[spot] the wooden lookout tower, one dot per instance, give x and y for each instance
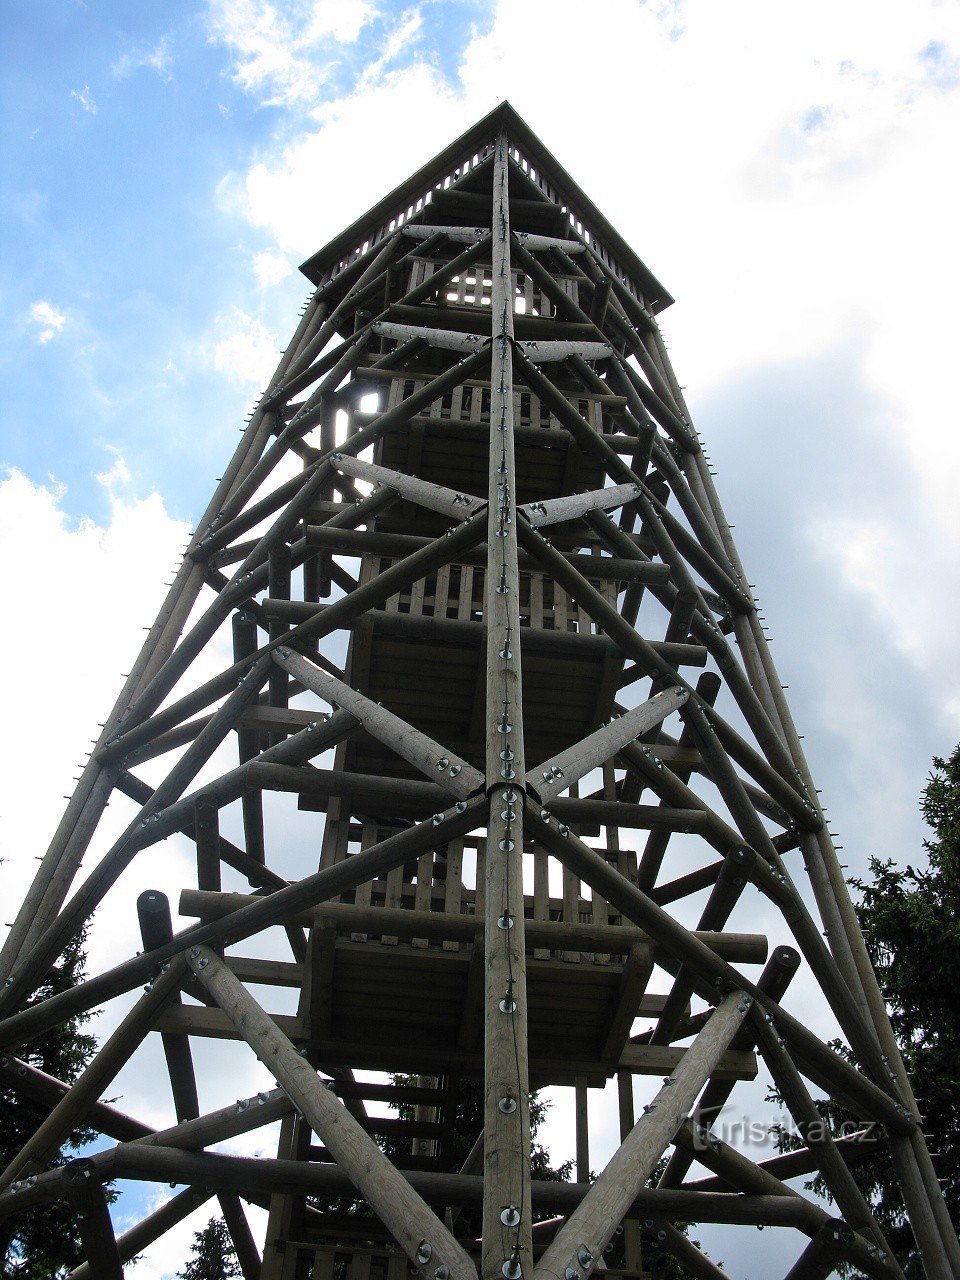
(493, 788)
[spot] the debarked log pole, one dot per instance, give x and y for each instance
(102, 1068)
(425, 1240)
(260, 914)
(85, 1195)
(151, 1228)
(579, 1245)
(741, 948)
(86, 806)
(248, 1175)
(827, 1248)
(825, 1067)
(743, 1176)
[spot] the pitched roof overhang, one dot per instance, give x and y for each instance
(411, 196)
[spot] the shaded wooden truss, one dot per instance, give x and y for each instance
(489, 621)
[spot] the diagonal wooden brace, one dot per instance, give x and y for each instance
(554, 352)
(566, 768)
(415, 1226)
(817, 1060)
(555, 510)
(433, 760)
(579, 1245)
(446, 339)
(435, 497)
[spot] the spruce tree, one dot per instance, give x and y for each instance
(214, 1257)
(910, 920)
(43, 1243)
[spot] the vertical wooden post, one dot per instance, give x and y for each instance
(156, 929)
(583, 1130)
(507, 1242)
(84, 1192)
(207, 830)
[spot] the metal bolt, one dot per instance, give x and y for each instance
(584, 1256)
(505, 922)
(437, 819)
(424, 1252)
(510, 1216)
(508, 1106)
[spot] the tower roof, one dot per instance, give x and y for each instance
(408, 200)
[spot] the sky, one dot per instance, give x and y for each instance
(788, 171)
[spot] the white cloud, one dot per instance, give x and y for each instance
(270, 268)
(242, 347)
(117, 475)
(156, 59)
(104, 582)
(47, 320)
(84, 97)
(400, 39)
(289, 193)
(792, 193)
(280, 54)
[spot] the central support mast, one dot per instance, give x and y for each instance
(507, 1240)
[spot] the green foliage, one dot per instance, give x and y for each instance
(910, 920)
(213, 1257)
(43, 1243)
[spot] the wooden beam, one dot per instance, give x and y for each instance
(633, 983)
(549, 511)
(84, 1192)
(424, 1239)
(507, 1215)
(72, 1108)
(433, 497)
(449, 771)
(578, 1246)
(819, 1061)
(438, 926)
(563, 770)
